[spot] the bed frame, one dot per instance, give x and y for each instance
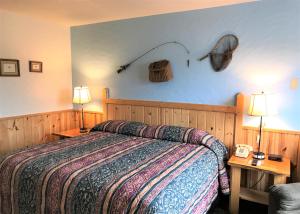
(224, 122)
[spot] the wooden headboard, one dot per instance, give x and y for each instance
(224, 122)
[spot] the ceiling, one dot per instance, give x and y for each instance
(79, 12)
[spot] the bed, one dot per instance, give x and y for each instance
(119, 167)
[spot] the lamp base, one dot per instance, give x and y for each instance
(259, 155)
(83, 130)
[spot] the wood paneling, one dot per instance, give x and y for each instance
(27, 130)
(222, 121)
(91, 118)
(21, 131)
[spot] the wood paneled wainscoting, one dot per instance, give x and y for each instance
(27, 130)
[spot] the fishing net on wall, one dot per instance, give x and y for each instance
(221, 55)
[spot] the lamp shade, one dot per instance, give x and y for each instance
(258, 105)
(81, 95)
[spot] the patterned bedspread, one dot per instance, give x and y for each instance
(119, 168)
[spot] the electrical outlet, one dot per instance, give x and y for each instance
(294, 83)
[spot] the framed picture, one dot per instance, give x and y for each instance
(35, 66)
(9, 68)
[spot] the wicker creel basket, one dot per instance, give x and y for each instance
(160, 71)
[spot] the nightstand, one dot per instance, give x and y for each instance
(69, 133)
(280, 171)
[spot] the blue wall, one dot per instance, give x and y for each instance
(268, 57)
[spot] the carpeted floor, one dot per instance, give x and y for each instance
(246, 207)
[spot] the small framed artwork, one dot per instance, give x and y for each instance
(9, 68)
(35, 66)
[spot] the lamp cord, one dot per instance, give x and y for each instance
(258, 181)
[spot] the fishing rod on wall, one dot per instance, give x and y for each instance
(124, 67)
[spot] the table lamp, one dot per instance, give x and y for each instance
(81, 96)
(258, 107)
